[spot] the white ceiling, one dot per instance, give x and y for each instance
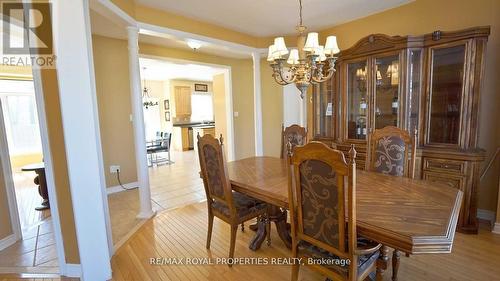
(273, 17)
(105, 27)
(164, 70)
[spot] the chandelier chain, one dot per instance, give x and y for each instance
(300, 12)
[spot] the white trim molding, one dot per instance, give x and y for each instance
(146, 209)
(119, 188)
(486, 215)
(496, 228)
(49, 168)
(164, 32)
(8, 241)
(72, 270)
(9, 183)
(111, 11)
(257, 104)
(72, 45)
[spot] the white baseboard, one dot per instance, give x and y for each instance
(72, 270)
(129, 234)
(8, 241)
(496, 228)
(486, 215)
(117, 188)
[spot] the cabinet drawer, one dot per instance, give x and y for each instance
(455, 181)
(443, 165)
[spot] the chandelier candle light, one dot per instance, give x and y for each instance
(310, 63)
(147, 100)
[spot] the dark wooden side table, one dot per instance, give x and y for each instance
(39, 169)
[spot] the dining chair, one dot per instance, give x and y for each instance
(392, 151)
(230, 206)
(294, 134)
(322, 192)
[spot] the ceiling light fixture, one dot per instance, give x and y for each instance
(310, 63)
(195, 45)
(147, 100)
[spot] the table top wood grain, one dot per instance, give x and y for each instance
(414, 216)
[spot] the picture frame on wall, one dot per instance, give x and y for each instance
(200, 87)
(166, 104)
(167, 116)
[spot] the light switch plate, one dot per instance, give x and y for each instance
(236, 114)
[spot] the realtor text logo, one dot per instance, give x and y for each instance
(27, 35)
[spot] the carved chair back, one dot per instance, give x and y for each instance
(214, 172)
(294, 134)
(322, 213)
(392, 151)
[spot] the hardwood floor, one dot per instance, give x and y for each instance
(177, 184)
(172, 186)
(36, 253)
(182, 233)
(27, 199)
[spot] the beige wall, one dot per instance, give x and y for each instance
(114, 103)
(425, 16)
(160, 91)
(272, 111)
(56, 143)
(219, 99)
(5, 223)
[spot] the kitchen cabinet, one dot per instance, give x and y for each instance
(182, 96)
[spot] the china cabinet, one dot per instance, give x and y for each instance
(429, 83)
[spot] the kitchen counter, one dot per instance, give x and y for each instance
(195, 125)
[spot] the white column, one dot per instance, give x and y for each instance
(75, 72)
(138, 119)
(303, 110)
(257, 103)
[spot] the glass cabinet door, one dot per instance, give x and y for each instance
(323, 109)
(447, 70)
(414, 88)
(357, 100)
(386, 91)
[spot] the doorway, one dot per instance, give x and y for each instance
(193, 100)
(180, 99)
(35, 250)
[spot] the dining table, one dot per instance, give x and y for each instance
(409, 215)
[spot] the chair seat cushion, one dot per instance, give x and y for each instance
(244, 205)
(335, 263)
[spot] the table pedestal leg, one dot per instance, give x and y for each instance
(278, 216)
(260, 235)
(382, 262)
(41, 181)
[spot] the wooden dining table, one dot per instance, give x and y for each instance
(410, 215)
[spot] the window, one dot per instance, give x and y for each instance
(20, 116)
(202, 107)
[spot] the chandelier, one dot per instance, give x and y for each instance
(310, 63)
(147, 101)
